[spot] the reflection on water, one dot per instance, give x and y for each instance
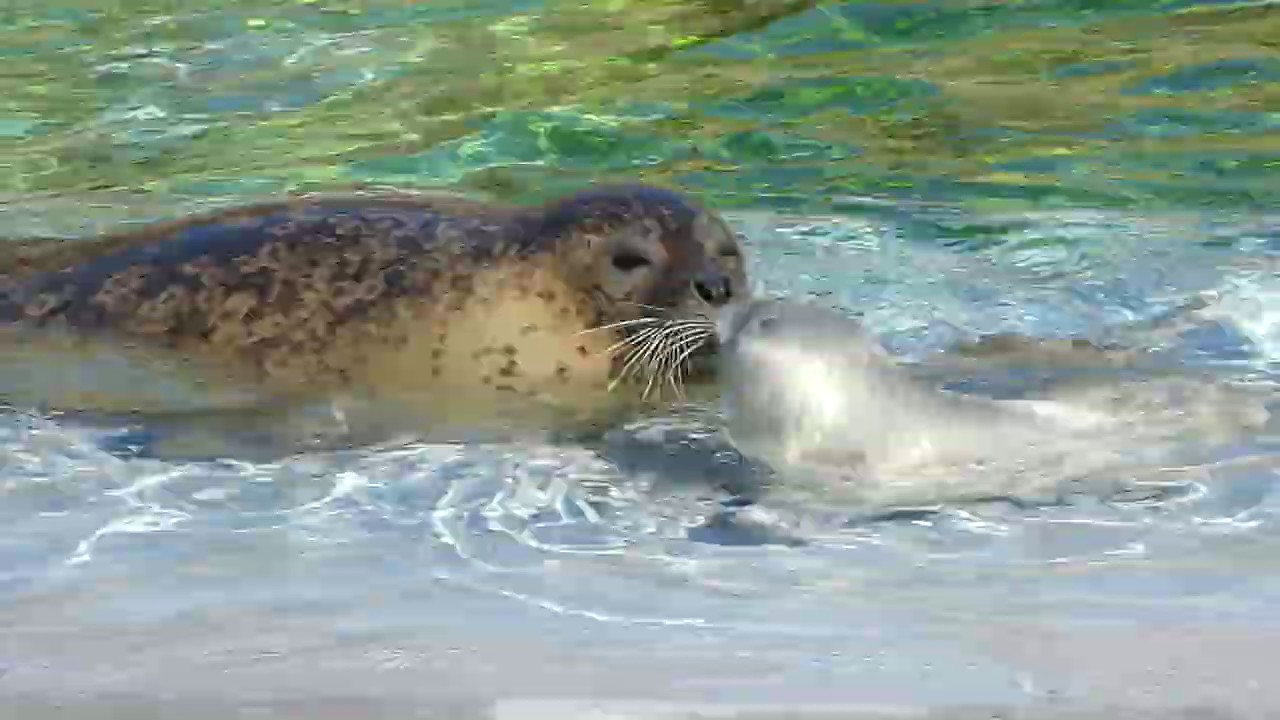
(784, 103)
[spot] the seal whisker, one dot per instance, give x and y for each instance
(669, 341)
(634, 340)
(691, 341)
(645, 349)
(677, 326)
(653, 308)
(620, 324)
(678, 352)
(669, 372)
(638, 346)
(654, 365)
(647, 333)
(662, 363)
(647, 387)
(679, 363)
(622, 374)
(659, 351)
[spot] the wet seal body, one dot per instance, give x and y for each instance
(439, 304)
(806, 389)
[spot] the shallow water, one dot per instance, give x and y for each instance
(1028, 176)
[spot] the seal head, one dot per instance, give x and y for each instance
(795, 378)
(644, 250)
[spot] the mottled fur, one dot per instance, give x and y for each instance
(390, 297)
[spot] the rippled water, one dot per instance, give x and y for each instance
(782, 103)
(1052, 168)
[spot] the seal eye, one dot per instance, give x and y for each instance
(627, 262)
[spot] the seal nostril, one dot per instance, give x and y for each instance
(714, 289)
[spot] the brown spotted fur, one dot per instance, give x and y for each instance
(400, 297)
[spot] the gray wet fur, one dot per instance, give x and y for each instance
(804, 385)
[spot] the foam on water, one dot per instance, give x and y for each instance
(426, 571)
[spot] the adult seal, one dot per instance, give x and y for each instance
(448, 309)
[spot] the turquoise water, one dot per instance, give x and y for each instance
(1055, 168)
(773, 102)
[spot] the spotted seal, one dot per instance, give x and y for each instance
(454, 307)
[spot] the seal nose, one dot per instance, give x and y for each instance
(714, 287)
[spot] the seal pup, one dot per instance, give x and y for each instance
(809, 392)
(450, 311)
